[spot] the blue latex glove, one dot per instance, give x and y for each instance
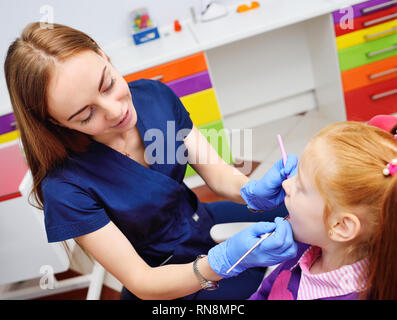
(267, 192)
(276, 248)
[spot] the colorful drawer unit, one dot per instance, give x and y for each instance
(8, 128)
(188, 77)
(13, 169)
(368, 59)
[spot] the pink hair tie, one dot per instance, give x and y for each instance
(391, 168)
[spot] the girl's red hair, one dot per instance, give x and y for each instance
(350, 175)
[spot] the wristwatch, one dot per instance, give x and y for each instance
(205, 284)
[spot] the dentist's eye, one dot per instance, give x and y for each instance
(112, 82)
(89, 117)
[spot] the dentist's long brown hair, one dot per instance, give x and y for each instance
(29, 64)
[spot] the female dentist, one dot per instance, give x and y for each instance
(84, 129)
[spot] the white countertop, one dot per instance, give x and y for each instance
(271, 14)
(196, 37)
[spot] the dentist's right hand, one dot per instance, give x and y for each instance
(267, 193)
(276, 248)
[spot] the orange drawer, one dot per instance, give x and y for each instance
(368, 74)
(379, 98)
(172, 70)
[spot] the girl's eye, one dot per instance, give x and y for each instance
(297, 186)
(301, 188)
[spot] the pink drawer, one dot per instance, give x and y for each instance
(13, 169)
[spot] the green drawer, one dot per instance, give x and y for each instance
(218, 139)
(368, 52)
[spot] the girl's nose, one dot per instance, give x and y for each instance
(286, 186)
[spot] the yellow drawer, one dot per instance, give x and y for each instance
(202, 106)
(9, 136)
(365, 35)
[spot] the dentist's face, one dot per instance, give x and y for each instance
(87, 94)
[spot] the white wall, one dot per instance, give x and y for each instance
(104, 20)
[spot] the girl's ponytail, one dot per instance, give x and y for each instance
(382, 277)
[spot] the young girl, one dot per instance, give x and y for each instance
(342, 206)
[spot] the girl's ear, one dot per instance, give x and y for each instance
(345, 226)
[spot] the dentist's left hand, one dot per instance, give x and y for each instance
(276, 248)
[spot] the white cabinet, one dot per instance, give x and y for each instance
(25, 253)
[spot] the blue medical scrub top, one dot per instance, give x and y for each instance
(154, 209)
